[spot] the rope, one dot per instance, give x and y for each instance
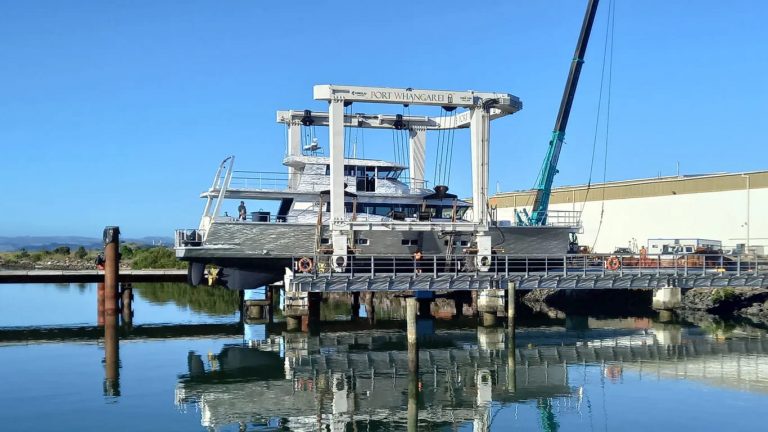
(406, 134)
(607, 123)
(452, 133)
(439, 161)
(599, 105)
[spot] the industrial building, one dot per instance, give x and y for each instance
(729, 207)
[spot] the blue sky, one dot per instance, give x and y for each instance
(117, 112)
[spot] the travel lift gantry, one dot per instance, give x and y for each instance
(480, 108)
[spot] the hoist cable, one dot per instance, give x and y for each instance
(452, 132)
(441, 149)
(599, 107)
(607, 123)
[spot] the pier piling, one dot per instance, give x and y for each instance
(111, 317)
(411, 305)
(411, 309)
(111, 271)
(511, 304)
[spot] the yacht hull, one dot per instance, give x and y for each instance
(251, 255)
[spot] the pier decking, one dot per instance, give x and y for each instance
(369, 273)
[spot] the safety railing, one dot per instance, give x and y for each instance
(565, 218)
(266, 180)
(558, 218)
(540, 265)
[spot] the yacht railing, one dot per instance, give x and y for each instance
(563, 218)
(555, 218)
(540, 265)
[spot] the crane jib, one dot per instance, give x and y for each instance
(549, 167)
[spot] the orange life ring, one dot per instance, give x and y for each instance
(613, 263)
(305, 265)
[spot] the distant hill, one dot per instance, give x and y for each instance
(34, 243)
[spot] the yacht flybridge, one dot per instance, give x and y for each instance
(332, 208)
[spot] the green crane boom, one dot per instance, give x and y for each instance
(549, 169)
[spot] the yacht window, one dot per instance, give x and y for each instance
(325, 240)
(409, 242)
(362, 241)
(689, 248)
(327, 170)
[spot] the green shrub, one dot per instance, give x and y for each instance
(723, 294)
(22, 254)
(81, 253)
(156, 258)
(62, 250)
(126, 251)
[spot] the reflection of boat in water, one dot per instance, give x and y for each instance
(337, 379)
(363, 377)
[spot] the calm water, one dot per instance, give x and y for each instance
(188, 365)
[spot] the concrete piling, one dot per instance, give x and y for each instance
(411, 309)
(413, 364)
(666, 298)
(511, 304)
(511, 369)
(489, 319)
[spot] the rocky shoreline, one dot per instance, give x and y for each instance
(742, 302)
(745, 304)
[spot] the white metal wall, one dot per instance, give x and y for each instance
(712, 215)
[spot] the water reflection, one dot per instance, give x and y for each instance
(208, 300)
(375, 379)
(568, 372)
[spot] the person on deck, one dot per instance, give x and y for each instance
(241, 211)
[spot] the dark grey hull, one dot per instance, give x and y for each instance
(256, 254)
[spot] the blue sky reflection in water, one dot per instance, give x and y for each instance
(718, 383)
